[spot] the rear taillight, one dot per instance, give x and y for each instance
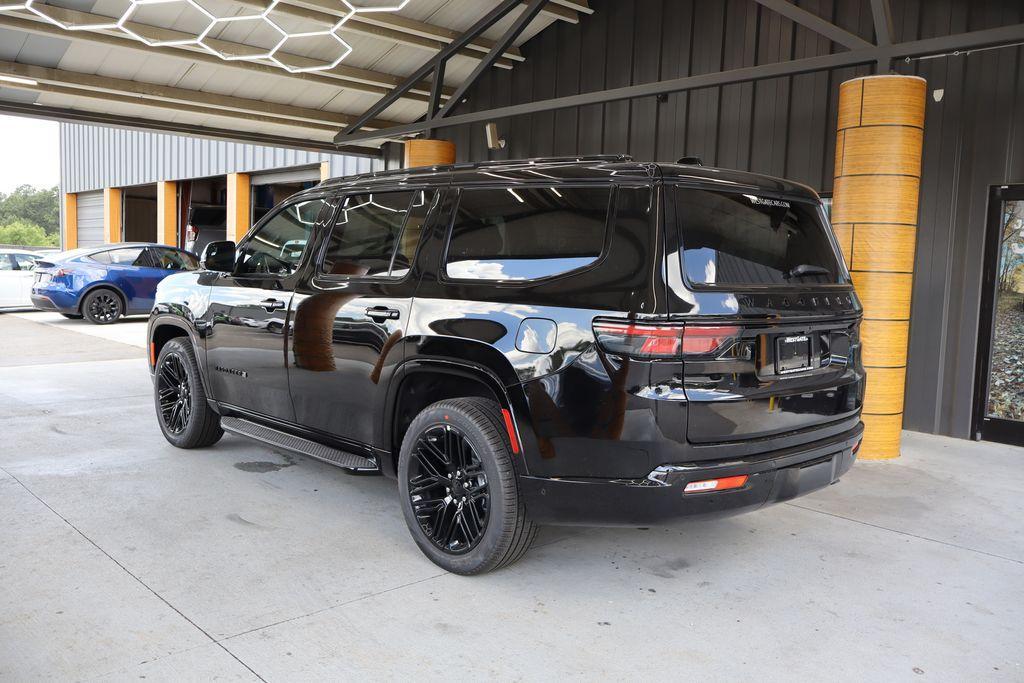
(653, 342)
(191, 233)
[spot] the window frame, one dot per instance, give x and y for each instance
(610, 214)
(339, 202)
(677, 234)
(154, 254)
(270, 215)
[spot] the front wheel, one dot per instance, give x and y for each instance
(459, 491)
(185, 416)
(102, 307)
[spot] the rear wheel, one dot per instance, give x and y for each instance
(459, 491)
(183, 412)
(102, 306)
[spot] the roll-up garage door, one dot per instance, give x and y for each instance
(90, 219)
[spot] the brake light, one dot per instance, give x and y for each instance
(722, 484)
(646, 341)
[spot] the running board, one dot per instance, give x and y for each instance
(296, 444)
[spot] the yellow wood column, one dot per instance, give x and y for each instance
(167, 212)
(70, 220)
(429, 153)
(239, 211)
(325, 170)
(874, 213)
(112, 215)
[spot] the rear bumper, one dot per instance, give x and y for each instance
(44, 303)
(659, 499)
(54, 299)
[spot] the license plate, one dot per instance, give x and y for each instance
(42, 278)
(792, 354)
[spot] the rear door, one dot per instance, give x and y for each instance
(350, 316)
(10, 283)
(25, 265)
(771, 317)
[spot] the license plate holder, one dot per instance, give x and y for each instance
(792, 353)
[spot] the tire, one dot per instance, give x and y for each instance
(442, 512)
(102, 306)
(184, 415)
(72, 316)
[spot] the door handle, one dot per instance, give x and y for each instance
(271, 305)
(383, 313)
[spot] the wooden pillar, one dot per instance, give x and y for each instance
(167, 212)
(70, 220)
(325, 170)
(874, 213)
(112, 215)
(429, 153)
(239, 211)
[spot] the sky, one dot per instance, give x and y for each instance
(31, 152)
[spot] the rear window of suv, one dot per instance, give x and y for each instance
(527, 233)
(731, 238)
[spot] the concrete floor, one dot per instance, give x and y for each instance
(124, 558)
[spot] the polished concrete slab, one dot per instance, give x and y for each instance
(125, 558)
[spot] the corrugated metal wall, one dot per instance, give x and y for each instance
(94, 157)
(974, 136)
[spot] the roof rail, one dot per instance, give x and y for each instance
(611, 158)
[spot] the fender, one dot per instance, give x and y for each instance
(510, 398)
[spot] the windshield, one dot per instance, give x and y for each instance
(729, 238)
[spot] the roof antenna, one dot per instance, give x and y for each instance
(691, 161)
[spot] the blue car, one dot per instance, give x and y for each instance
(104, 283)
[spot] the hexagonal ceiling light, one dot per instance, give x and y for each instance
(327, 39)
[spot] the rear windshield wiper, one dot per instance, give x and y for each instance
(807, 269)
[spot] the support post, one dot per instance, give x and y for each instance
(113, 211)
(325, 170)
(874, 214)
(429, 153)
(167, 212)
(70, 221)
(239, 199)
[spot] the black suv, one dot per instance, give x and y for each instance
(590, 341)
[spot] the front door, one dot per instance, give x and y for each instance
(349, 317)
(248, 313)
(999, 394)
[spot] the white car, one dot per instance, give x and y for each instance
(17, 272)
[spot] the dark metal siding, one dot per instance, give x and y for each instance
(786, 126)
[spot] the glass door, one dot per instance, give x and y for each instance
(999, 393)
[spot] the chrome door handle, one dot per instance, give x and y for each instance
(379, 313)
(271, 305)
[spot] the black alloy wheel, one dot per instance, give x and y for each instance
(448, 489)
(174, 394)
(183, 410)
(459, 487)
(102, 307)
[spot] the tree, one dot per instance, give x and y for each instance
(26, 234)
(1011, 245)
(40, 206)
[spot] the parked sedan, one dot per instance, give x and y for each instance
(104, 283)
(17, 268)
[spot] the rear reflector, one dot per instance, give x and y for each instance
(856, 446)
(716, 484)
(152, 354)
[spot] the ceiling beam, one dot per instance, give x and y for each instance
(342, 76)
(815, 23)
(134, 123)
(881, 13)
(972, 40)
(151, 93)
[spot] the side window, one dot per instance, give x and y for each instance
(278, 245)
(5, 262)
(171, 259)
(24, 261)
(129, 256)
(526, 233)
(375, 234)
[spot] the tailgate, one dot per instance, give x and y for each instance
(774, 379)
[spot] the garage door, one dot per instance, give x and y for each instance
(90, 219)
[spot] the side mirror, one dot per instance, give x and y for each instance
(219, 256)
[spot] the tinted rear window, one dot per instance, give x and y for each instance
(743, 239)
(527, 233)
